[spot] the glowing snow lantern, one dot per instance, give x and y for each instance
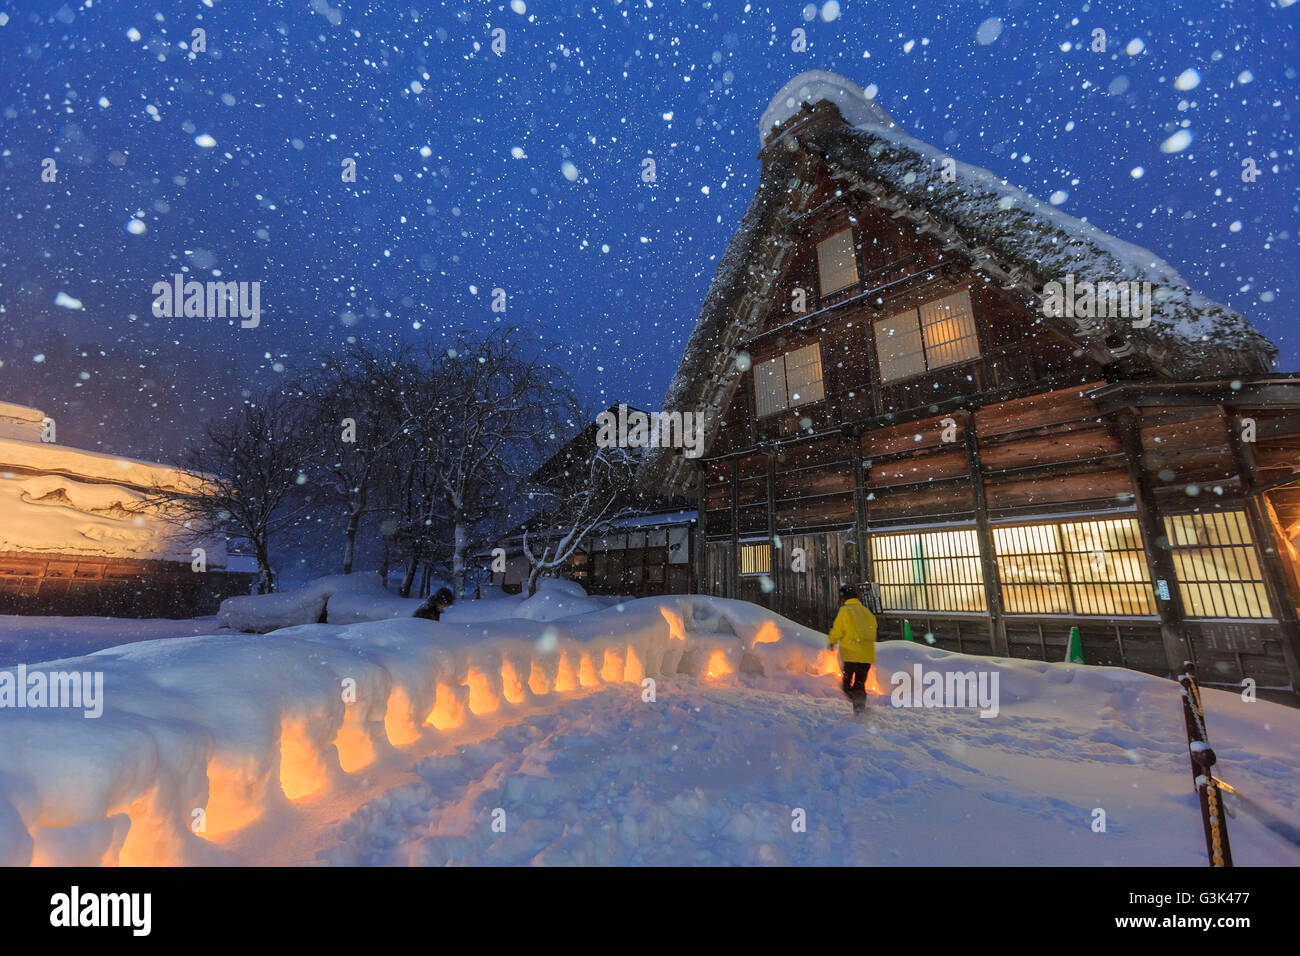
(447, 710)
(587, 672)
(767, 634)
(564, 680)
(483, 697)
(511, 687)
(398, 724)
(718, 665)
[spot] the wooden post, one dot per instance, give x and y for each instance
(1213, 817)
(860, 511)
(698, 575)
(733, 585)
(988, 558)
(1270, 550)
(781, 601)
(1127, 429)
(771, 495)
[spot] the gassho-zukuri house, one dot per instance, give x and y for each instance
(80, 535)
(906, 383)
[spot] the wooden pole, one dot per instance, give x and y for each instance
(1213, 818)
(1126, 428)
(1270, 549)
(988, 558)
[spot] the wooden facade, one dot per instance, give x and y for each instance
(646, 548)
(647, 556)
(995, 476)
(67, 584)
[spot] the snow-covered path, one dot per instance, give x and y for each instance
(710, 775)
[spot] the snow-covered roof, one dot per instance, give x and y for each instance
(22, 413)
(60, 500)
(42, 458)
(21, 422)
(1023, 241)
(855, 104)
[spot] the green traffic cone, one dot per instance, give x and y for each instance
(907, 630)
(1074, 649)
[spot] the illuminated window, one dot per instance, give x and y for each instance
(788, 381)
(938, 334)
(1217, 565)
(837, 263)
(756, 558)
(1081, 567)
(933, 571)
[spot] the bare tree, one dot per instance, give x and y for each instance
(358, 421)
(414, 524)
(579, 507)
(494, 407)
(249, 471)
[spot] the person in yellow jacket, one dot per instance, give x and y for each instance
(854, 631)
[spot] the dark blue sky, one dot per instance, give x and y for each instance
(610, 268)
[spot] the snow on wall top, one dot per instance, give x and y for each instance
(23, 413)
(57, 515)
(853, 102)
(20, 421)
(59, 500)
(96, 466)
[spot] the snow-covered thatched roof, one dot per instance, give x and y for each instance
(1020, 240)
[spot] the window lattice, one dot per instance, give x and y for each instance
(933, 571)
(1081, 567)
(935, 335)
(837, 263)
(756, 558)
(948, 327)
(1217, 565)
(789, 381)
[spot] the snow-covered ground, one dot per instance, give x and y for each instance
(503, 740)
(714, 774)
(25, 639)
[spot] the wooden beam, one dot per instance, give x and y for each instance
(771, 508)
(699, 575)
(1262, 528)
(988, 558)
(1173, 634)
(860, 511)
(734, 583)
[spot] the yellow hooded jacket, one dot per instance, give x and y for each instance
(854, 631)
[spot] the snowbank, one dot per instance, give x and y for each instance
(711, 773)
(557, 598)
(200, 736)
(336, 598)
(356, 598)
